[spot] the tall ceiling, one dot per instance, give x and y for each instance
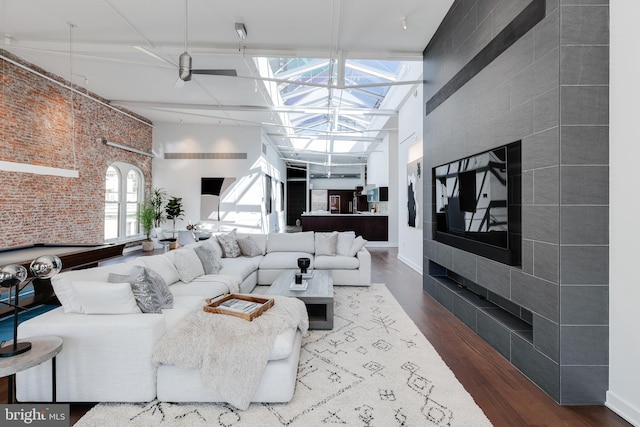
(323, 79)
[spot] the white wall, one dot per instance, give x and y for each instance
(410, 120)
(378, 166)
(624, 149)
(243, 204)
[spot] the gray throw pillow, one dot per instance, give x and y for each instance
(147, 299)
(229, 245)
(209, 258)
(149, 288)
(248, 247)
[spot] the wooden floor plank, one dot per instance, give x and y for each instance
(507, 397)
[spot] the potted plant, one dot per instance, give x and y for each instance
(145, 219)
(158, 199)
(174, 211)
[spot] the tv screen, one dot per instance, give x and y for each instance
(211, 186)
(477, 203)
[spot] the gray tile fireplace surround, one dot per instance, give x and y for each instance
(548, 88)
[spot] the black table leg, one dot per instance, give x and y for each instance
(11, 382)
(53, 379)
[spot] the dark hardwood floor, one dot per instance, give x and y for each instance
(507, 397)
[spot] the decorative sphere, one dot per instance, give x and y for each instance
(46, 266)
(13, 273)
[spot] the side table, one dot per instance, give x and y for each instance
(42, 349)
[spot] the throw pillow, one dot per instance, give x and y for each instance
(345, 239)
(211, 262)
(149, 289)
(188, 264)
(229, 245)
(161, 265)
(248, 247)
(326, 245)
(92, 297)
(357, 244)
(212, 243)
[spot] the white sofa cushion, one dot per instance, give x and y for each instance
(162, 265)
(326, 244)
(338, 262)
(92, 297)
(284, 260)
(188, 264)
(182, 306)
(345, 239)
(291, 242)
(357, 244)
(203, 287)
(240, 267)
(100, 274)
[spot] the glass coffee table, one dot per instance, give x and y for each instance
(318, 297)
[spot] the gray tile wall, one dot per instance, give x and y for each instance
(550, 89)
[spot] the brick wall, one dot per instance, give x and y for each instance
(39, 127)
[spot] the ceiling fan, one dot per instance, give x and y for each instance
(184, 62)
(185, 71)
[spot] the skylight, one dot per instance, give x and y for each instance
(332, 106)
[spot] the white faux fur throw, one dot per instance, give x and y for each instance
(230, 352)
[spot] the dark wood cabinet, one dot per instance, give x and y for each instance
(374, 228)
(383, 194)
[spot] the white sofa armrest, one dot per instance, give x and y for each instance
(104, 358)
(364, 257)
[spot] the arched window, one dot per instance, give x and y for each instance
(124, 190)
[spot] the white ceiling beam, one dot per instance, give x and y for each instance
(252, 108)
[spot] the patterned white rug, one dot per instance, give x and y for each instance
(374, 368)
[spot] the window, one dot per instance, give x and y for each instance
(123, 191)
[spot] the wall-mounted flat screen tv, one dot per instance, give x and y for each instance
(477, 202)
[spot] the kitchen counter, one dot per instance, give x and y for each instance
(371, 226)
(326, 213)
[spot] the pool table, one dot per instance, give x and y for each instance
(73, 257)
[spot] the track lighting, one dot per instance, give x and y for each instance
(241, 30)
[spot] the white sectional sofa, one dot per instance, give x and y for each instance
(108, 342)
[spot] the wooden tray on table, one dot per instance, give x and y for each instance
(247, 307)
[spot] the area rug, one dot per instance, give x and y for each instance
(374, 368)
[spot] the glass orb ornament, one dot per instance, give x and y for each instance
(46, 266)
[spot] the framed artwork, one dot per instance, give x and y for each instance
(414, 193)
(281, 196)
(268, 195)
(211, 196)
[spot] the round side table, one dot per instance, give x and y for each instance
(42, 349)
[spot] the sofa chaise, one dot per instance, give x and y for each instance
(109, 340)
